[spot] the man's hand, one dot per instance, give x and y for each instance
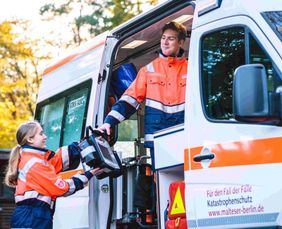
(105, 127)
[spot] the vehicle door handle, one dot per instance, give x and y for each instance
(201, 157)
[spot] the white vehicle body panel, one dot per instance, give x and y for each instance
(230, 196)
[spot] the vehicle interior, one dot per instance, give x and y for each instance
(145, 52)
(138, 49)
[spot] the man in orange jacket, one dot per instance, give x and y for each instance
(161, 83)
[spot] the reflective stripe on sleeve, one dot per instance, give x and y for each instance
(27, 167)
(87, 150)
(130, 100)
(81, 177)
(117, 115)
(150, 67)
(71, 187)
(167, 109)
(65, 158)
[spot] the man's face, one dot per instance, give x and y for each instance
(170, 44)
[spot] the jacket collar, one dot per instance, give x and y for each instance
(179, 56)
(32, 149)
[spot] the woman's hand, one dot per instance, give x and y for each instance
(96, 171)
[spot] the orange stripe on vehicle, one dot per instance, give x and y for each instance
(69, 174)
(186, 160)
(248, 152)
(69, 59)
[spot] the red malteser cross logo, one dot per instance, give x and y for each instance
(60, 183)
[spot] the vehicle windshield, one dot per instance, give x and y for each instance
(274, 19)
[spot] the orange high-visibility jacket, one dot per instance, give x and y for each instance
(38, 177)
(162, 85)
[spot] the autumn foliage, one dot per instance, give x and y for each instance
(19, 81)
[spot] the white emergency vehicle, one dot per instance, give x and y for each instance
(228, 151)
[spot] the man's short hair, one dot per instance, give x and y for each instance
(177, 27)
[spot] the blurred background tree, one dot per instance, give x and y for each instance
(92, 17)
(19, 79)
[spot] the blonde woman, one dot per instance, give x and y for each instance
(33, 171)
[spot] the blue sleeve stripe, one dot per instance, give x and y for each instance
(77, 183)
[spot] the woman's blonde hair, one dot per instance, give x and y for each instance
(25, 131)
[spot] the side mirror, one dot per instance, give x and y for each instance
(251, 101)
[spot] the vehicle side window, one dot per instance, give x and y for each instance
(258, 56)
(222, 52)
(51, 117)
(63, 117)
(75, 115)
